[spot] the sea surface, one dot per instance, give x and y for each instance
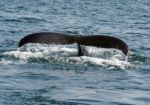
(53, 74)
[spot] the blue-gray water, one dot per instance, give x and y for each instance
(38, 78)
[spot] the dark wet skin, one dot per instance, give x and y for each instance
(63, 39)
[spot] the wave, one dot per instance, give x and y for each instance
(68, 54)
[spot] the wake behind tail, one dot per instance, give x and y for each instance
(62, 54)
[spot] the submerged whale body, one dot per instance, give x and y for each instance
(63, 39)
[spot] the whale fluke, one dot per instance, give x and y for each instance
(47, 38)
(103, 42)
(93, 40)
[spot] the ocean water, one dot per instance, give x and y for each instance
(53, 74)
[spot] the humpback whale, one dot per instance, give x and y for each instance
(102, 41)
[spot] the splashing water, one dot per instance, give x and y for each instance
(68, 54)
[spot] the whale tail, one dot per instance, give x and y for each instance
(47, 38)
(57, 38)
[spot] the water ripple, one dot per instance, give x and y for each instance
(39, 76)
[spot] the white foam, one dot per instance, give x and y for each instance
(3, 61)
(101, 62)
(100, 57)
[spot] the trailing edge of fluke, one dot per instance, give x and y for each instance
(59, 38)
